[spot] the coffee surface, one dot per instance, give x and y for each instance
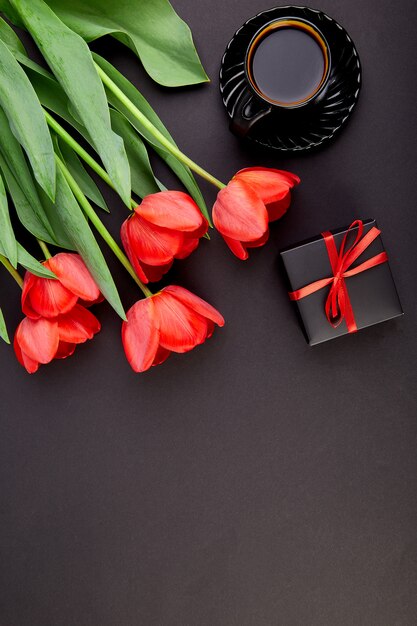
(288, 65)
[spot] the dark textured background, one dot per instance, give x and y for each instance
(255, 481)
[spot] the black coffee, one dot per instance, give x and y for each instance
(288, 65)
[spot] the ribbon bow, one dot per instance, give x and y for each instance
(338, 306)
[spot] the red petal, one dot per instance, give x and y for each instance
(161, 356)
(38, 339)
(155, 273)
(88, 303)
(268, 183)
(188, 246)
(74, 275)
(194, 302)
(180, 327)
(240, 248)
(210, 329)
(28, 283)
(140, 335)
(260, 242)
(78, 325)
(239, 212)
(152, 244)
(199, 232)
(237, 248)
(124, 235)
(64, 350)
(29, 364)
(45, 297)
(278, 208)
(175, 210)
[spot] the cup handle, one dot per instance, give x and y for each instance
(248, 110)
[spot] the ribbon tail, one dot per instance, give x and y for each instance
(348, 310)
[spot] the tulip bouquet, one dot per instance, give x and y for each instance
(81, 114)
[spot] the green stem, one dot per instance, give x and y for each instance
(83, 154)
(44, 248)
(78, 148)
(154, 131)
(12, 271)
(101, 229)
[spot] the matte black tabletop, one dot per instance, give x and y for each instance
(254, 481)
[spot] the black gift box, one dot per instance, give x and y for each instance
(372, 293)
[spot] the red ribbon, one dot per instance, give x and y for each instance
(338, 306)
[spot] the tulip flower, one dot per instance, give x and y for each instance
(244, 207)
(173, 320)
(47, 297)
(39, 341)
(166, 225)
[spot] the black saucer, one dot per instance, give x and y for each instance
(304, 128)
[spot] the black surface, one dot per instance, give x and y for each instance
(255, 481)
(372, 293)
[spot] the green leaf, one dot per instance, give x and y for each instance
(3, 329)
(26, 260)
(6, 230)
(181, 170)
(51, 94)
(53, 97)
(70, 59)
(143, 179)
(21, 185)
(51, 210)
(49, 91)
(28, 212)
(76, 226)
(9, 37)
(26, 119)
(151, 28)
(81, 176)
(29, 219)
(16, 47)
(8, 10)
(24, 208)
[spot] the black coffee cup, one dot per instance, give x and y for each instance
(287, 68)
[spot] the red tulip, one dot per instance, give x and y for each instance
(165, 226)
(41, 340)
(173, 320)
(46, 297)
(254, 197)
